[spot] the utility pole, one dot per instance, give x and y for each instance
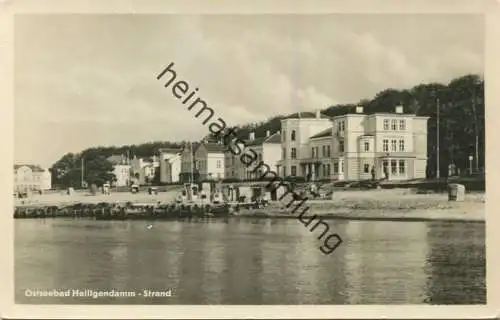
(437, 141)
(82, 173)
(475, 126)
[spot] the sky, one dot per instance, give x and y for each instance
(90, 80)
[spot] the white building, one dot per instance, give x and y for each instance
(358, 146)
(170, 165)
(121, 169)
(385, 145)
(31, 177)
(209, 160)
(295, 133)
(268, 150)
(143, 170)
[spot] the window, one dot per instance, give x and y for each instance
(402, 125)
(341, 127)
(401, 145)
(335, 167)
(317, 152)
(366, 168)
(393, 145)
(385, 145)
(284, 153)
(341, 146)
(294, 153)
(284, 171)
(367, 146)
(394, 169)
(341, 166)
(323, 150)
(312, 152)
(328, 172)
(386, 124)
(402, 168)
(294, 171)
(292, 136)
(328, 153)
(323, 170)
(394, 124)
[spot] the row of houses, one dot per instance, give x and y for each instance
(310, 145)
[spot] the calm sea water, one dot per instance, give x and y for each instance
(252, 262)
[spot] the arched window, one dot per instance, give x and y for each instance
(292, 137)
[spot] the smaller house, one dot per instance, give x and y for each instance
(170, 165)
(29, 177)
(121, 170)
(209, 160)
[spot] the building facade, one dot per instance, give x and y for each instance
(170, 165)
(122, 170)
(143, 170)
(31, 178)
(209, 160)
(356, 146)
(296, 158)
(390, 146)
(268, 150)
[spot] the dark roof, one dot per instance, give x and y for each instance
(214, 147)
(322, 134)
(306, 115)
(274, 138)
(34, 168)
(117, 159)
(170, 150)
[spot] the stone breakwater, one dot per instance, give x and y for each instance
(405, 209)
(109, 211)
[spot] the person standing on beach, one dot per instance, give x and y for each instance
(373, 173)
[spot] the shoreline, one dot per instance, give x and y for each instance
(372, 205)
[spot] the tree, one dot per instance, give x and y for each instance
(98, 170)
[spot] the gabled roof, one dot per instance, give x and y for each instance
(117, 159)
(274, 138)
(214, 147)
(325, 133)
(34, 168)
(306, 115)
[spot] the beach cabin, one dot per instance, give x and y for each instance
(134, 188)
(105, 188)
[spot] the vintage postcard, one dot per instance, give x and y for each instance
(217, 159)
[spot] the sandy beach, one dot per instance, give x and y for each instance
(393, 204)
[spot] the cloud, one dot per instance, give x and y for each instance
(95, 76)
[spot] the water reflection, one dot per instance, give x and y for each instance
(456, 270)
(241, 261)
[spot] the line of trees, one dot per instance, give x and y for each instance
(461, 127)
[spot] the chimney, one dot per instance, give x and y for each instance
(399, 109)
(251, 136)
(318, 114)
(268, 133)
(359, 109)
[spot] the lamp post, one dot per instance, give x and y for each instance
(470, 164)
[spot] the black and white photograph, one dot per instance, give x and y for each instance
(249, 159)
